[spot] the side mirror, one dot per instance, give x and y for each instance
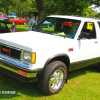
(84, 35)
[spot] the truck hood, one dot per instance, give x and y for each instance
(32, 40)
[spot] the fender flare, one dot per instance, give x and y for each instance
(58, 56)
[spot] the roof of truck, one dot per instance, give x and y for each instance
(75, 17)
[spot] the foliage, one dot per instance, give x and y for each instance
(24, 7)
(97, 2)
(52, 7)
(98, 15)
(65, 7)
(5, 4)
(89, 12)
(20, 7)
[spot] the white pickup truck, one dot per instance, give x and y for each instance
(57, 45)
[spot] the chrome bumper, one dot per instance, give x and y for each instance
(12, 68)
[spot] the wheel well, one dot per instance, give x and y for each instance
(63, 58)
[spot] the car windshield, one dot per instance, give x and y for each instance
(58, 26)
(2, 25)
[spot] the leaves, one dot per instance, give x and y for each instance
(52, 7)
(90, 12)
(65, 7)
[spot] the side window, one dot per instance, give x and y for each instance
(88, 30)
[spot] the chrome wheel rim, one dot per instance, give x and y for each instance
(56, 79)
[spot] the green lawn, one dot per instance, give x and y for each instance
(19, 27)
(83, 84)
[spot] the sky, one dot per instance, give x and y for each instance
(95, 7)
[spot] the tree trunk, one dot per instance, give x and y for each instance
(26, 10)
(41, 7)
(7, 11)
(7, 7)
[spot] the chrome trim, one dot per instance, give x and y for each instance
(16, 67)
(8, 61)
(21, 55)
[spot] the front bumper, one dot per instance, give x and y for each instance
(12, 69)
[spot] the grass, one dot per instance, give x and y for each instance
(83, 84)
(19, 27)
(48, 29)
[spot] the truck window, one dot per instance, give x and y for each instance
(59, 27)
(89, 28)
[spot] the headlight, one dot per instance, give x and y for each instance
(28, 56)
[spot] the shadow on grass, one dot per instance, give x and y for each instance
(82, 71)
(30, 89)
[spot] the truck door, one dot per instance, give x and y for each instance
(86, 46)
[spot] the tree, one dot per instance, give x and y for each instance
(97, 2)
(90, 12)
(98, 15)
(65, 7)
(45, 7)
(24, 7)
(40, 7)
(6, 4)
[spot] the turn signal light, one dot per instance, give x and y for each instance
(33, 58)
(21, 72)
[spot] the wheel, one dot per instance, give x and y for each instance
(13, 23)
(53, 78)
(25, 23)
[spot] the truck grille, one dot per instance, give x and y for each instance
(10, 51)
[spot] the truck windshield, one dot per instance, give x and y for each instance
(58, 26)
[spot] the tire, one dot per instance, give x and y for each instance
(53, 78)
(13, 23)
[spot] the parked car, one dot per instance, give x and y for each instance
(18, 20)
(6, 19)
(3, 27)
(47, 24)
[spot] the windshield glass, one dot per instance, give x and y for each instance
(2, 25)
(58, 26)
